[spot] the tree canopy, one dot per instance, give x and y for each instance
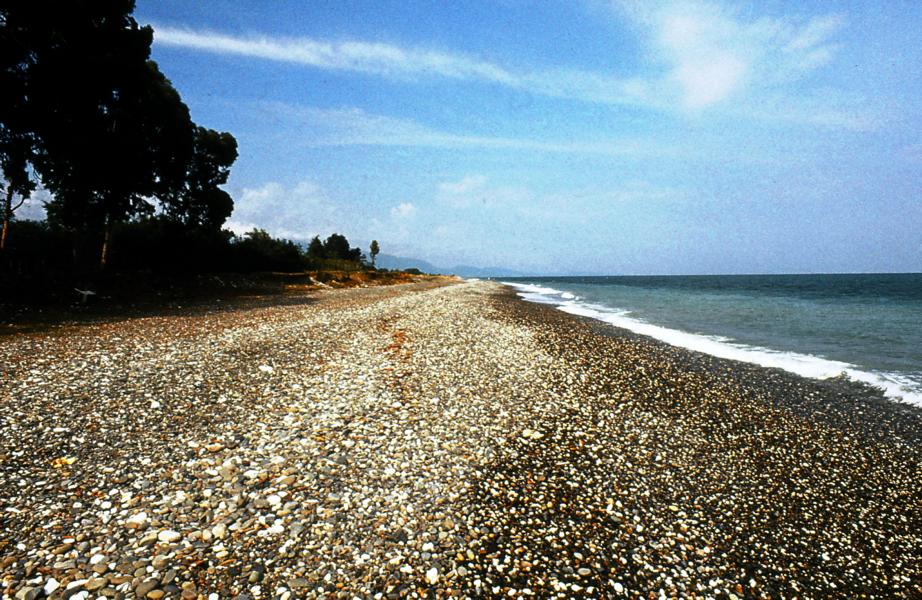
(105, 130)
(85, 112)
(335, 247)
(200, 202)
(373, 251)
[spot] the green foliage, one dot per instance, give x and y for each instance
(337, 247)
(199, 201)
(373, 250)
(315, 249)
(334, 254)
(164, 245)
(38, 247)
(258, 251)
(84, 110)
(103, 128)
(111, 130)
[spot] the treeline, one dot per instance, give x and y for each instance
(162, 245)
(135, 183)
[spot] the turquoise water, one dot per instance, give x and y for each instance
(866, 326)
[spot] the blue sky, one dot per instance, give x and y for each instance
(568, 137)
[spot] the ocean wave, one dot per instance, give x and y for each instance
(895, 385)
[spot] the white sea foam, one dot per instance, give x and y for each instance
(895, 385)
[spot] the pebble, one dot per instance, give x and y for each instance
(146, 586)
(50, 586)
(449, 441)
(168, 536)
(96, 583)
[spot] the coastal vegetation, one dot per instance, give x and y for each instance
(135, 185)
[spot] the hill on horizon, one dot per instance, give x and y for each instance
(390, 261)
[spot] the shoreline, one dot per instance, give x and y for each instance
(899, 386)
(437, 441)
(777, 417)
(838, 400)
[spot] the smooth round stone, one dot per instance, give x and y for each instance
(168, 536)
(146, 586)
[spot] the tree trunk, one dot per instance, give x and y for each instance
(104, 255)
(7, 215)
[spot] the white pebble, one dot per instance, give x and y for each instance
(51, 585)
(168, 535)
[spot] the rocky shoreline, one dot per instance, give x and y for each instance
(437, 440)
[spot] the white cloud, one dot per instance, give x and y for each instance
(714, 54)
(33, 207)
(296, 213)
(402, 211)
(705, 55)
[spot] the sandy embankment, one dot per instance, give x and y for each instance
(450, 441)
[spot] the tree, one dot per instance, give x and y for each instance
(200, 202)
(315, 250)
(373, 251)
(259, 251)
(15, 153)
(17, 142)
(337, 246)
(111, 131)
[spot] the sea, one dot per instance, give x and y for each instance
(867, 326)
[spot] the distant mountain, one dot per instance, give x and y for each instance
(389, 261)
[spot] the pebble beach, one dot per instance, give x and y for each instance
(433, 440)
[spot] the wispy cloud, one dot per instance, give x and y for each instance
(364, 57)
(388, 60)
(354, 126)
(475, 191)
(706, 56)
(465, 185)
